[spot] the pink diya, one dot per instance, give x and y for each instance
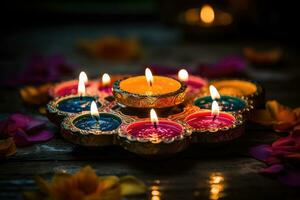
(215, 126)
(154, 137)
(70, 87)
(194, 83)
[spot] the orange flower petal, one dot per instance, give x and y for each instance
(7, 147)
(262, 117)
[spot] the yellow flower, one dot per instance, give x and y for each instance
(35, 95)
(279, 117)
(86, 185)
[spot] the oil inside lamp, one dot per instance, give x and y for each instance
(149, 77)
(207, 14)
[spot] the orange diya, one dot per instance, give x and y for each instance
(149, 91)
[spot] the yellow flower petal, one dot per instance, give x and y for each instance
(131, 186)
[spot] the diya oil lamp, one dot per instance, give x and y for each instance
(149, 91)
(194, 83)
(70, 87)
(215, 127)
(227, 103)
(91, 128)
(241, 88)
(61, 107)
(154, 136)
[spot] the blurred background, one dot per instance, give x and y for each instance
(52, 40)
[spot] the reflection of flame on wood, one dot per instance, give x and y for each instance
(155, 193)
(216, 186)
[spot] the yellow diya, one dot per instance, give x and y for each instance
(149, 91)
(241, 88)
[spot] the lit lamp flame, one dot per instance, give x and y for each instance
(94, 111)
(215, 110)
(149, 77)
(83, 77)
(214, 93)
(207, 14)
(81, 83)
(105, 79)
(183, 75)
(153, 118)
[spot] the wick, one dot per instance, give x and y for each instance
(215, 116)
(155, 125)
(80, 98)
(150, 83)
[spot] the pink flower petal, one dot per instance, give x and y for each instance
(41, 136)
(273, 169)
(291, 178)
(261, 152)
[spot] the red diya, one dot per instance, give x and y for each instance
(215, 126)
(194, 83)
(154, 137)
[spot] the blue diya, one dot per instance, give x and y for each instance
(87, 130)
(227, 103)
(61, 107)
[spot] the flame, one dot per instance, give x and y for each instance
(94, 109)
(83, 77)
(214, 92)
(207, 14)
(149, 76)
(81, 83)
(215, 110)
(183, 75)
(105, 79)
(153, 116)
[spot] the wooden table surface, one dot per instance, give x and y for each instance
(184, 176)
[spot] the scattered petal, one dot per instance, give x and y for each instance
(273, 169)
(261, 152)
(131, 186)
(291, 178)
(7, 147)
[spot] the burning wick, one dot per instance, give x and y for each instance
(94, 112)
(153, 118)
(214, 93)
(105, 80)
(183, 75)
(149, 76)
(215, 110)
(81, 84)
